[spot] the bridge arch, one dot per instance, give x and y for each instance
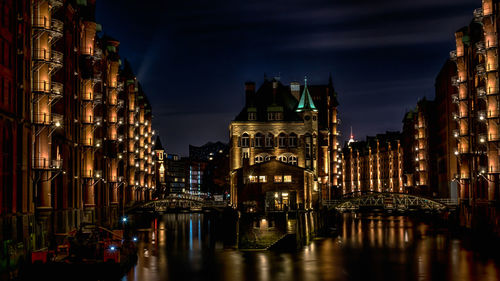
(387, 201)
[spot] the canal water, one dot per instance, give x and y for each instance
(364, 247)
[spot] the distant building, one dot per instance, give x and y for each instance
(420, 128)
(208, 151)
(281, 131)
(176, 171)
(161, 189)
(373, 165)
(209, 168)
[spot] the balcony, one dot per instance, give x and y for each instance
(97, 120)
(478, 15)
(482, 138)
(453, 55)
(481, 92)
(120, 138)
(42, 163)
(481, 115)
(456, 133)
(120, 86)
(97, 53)
(54, 4)
(53, 57)
(97, 98)
(120, 121)
(455, 81)
(97, 78)
(454, 99)
(480, 69)
(480, 47)
(46, 119)
(97, 174)
(121, 103)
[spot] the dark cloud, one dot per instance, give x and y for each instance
(193, 57)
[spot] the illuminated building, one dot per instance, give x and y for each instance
(176, 173)
(478, 106)
(420, 137)
(209, 168)
(373, 165)
(280, 130)
(64, 124)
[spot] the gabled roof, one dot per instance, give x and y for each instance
(306, 102)
(269, 99)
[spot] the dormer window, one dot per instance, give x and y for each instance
(274, 116)
(252, 116)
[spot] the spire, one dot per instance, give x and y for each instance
(306, 102)
(158, 145)
(351, 139)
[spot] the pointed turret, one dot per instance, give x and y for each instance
(306, 102)
(158, 145)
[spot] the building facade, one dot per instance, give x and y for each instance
(478, 105)
(374, 165)
(420, 128)
(283, 123)
(75, 125)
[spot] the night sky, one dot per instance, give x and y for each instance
(194, 56)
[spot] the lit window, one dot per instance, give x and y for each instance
(252, 116)
(278, 179)
(282, 140)
(259, 140)
(287, 178)
(292, 140)
(244, 155)
(245, 140)
(252, 178)
(269, 140)
(262, 179)
(292, 160)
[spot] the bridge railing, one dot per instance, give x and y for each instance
(447, 201)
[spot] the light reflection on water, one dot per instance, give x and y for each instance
(369, 247)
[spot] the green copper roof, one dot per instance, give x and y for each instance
(306, 102)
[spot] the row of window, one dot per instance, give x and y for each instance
(291, 159)
(277, 179)
(271, 116)
(268, 141)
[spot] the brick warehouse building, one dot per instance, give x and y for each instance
(373, 165)
(283, 123)
(75, 125)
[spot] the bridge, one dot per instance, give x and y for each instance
(389, 201)
(177, 202)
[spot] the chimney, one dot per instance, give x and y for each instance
(295, 89)
(249, 92)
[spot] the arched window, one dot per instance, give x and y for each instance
(269, 140)
(283, 158)
(292, 140)
(245, 140)
(268, 158)
(282, 140)
(292, 160)
(259, 159)
(259, 140)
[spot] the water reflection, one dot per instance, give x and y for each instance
(369, 247)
